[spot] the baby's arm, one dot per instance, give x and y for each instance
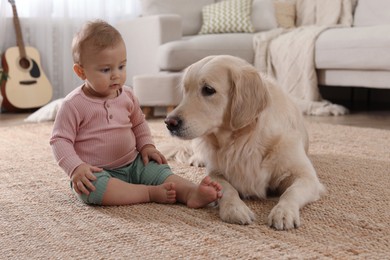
(150, 152)
(62, 142)
(82, 177)
(143, 136)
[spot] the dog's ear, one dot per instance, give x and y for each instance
(249, 96)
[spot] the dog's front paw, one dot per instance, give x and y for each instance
(196, 161)
(236, 212)
(284, 217)
(329, 109)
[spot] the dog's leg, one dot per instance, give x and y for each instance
(303, 190)
(231, 208)
(197, 158)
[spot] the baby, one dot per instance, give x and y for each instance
(101, 139)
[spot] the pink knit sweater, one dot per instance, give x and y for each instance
(103, 133)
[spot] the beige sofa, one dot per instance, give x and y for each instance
(165, 40)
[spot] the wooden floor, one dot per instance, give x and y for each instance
(8, 119)
(379, 119)
(373, 119)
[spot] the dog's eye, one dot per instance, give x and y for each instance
(208, 90)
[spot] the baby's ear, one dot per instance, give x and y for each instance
(79, 71)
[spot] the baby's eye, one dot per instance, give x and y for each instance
(121, 67)
(105, 70)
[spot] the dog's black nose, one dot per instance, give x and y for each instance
(173, 123)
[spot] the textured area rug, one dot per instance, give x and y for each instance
(41, 219)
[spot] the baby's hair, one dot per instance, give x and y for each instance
(96, 34)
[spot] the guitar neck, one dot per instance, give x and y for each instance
(18, 32)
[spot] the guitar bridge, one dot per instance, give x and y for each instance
(27, 82)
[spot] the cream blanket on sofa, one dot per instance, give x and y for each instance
(288, 54)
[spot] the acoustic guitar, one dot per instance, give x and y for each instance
(27, 86)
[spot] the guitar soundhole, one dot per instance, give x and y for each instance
(24, 63)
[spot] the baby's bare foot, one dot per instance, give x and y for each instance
(164, 193)
(207, 192)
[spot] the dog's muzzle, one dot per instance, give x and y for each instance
(173, 124)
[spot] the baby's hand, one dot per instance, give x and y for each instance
(82, 177)
(150, 152)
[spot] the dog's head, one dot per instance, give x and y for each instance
(218, 92)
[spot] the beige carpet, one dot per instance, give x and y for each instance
(41, 219)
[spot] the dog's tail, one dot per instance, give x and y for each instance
(179, 150)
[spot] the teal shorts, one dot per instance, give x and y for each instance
(135, 173)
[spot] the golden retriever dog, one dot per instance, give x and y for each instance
(250, 136)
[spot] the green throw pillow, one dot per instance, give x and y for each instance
(231, 16)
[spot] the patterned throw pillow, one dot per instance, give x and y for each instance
(230, 16)
(189, 10)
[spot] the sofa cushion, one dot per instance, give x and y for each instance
(372, 12)
(230, 16)
(365, 48)
(285, 14)
(157, 89)
(177, 55)
(189, 10)
(263, 15)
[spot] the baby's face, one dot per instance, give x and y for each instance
(105, 70)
